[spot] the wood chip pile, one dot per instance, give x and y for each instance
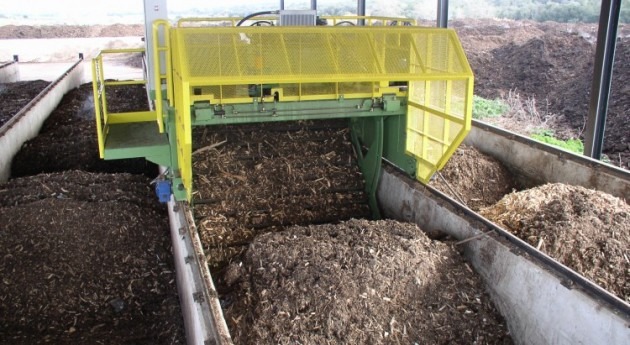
(258, 178)
(587, 230)
(357, 282)
(474, 178)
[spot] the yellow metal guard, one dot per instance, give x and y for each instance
(99, 83)
(218, 64)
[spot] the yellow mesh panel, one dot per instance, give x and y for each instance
(326, 63)
(438, 119)
(241, 55)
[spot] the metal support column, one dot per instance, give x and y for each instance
(442, 14)
(313, 4)
(361, 12)
(153, 10)
(282, 4)
(602, 78)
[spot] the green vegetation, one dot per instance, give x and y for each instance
(485, 108)
(547, 137)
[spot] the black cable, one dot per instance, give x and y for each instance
(255, 15)
(262, 23)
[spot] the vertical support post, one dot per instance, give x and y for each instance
(282, 4)
(361, 12)
(313, 4)
(153, 10)
(602, 78)
(370, 161)
(442, 14)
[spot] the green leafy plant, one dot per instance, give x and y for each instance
(548, 137)
(485, 108)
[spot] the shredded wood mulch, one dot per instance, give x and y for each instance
(86, 257)
(357, 282)
(587, 230)
(360, 282)
(255, 179)
(86, 260)
(474, 178)
(67, 140)
(15, 96)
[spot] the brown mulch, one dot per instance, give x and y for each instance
(259, 178)
(67, 139)
(15, 96)
(587, 230)
(86, 260)
(261, 191)
(475, 179)
(70, 31)
(357, 282)
(86, 256)
(553, 64)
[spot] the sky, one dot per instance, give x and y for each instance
(96, 10)
(121, 6)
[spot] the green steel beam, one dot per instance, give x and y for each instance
(205, 114)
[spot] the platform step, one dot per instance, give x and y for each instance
(136, 140)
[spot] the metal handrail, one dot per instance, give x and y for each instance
(103, 117)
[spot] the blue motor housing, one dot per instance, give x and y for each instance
(163, 190)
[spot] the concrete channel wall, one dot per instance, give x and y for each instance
(10, 72)
(201, 309)
(536, 163)
(541, 303)
(26, 124)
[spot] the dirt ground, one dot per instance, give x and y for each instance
(584, 229)
(357, 282)
(86, 256)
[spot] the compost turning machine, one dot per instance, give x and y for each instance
(405, 90)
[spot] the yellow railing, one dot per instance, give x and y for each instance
(162, 69)
(104, 118)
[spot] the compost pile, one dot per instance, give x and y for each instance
(15, 96)
(86, 256)
(474, 178)
(70, 31)
(357, 282)
(586, 230)
(252, 179)
(67, 140)
(86, 260)
(551, 64)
